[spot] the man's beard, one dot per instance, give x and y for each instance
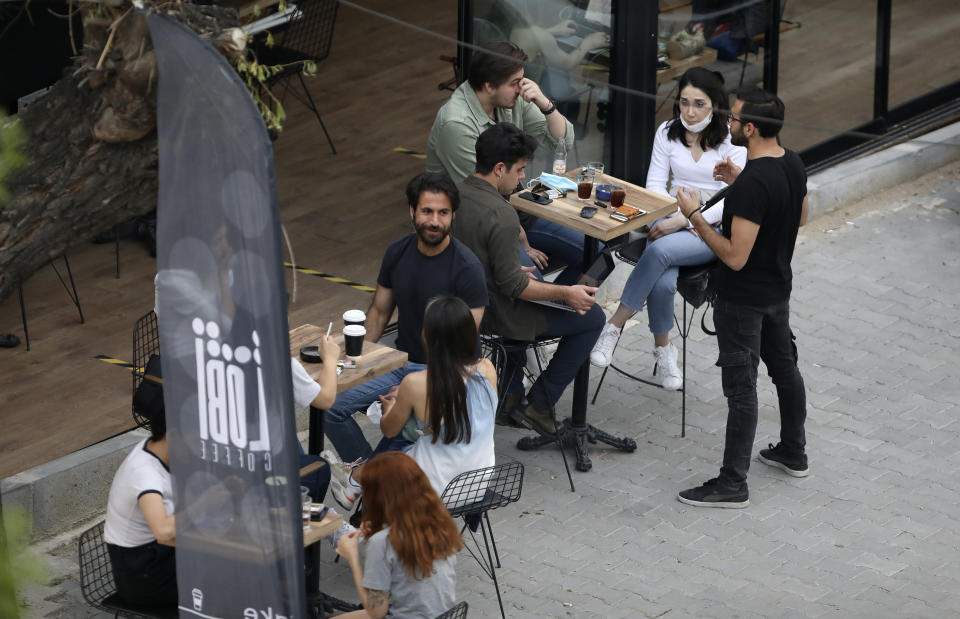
(738, 139)
(423, 229)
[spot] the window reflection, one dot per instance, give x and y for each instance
(568, 46)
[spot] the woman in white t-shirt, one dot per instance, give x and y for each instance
(412, 543)
(685, 151)
(140, 529)
(319, 394)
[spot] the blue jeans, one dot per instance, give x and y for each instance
(338, 422)
(654, 278)
(559, 243)
(577, 336)
(745, 335)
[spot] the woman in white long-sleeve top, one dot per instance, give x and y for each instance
(685, 151)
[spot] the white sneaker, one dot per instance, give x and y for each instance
(665, 361)
(344, 491)
(602, 353)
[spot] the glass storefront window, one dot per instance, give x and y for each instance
(922, 33)
(567, 44)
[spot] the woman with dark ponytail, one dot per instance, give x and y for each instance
(450, 406)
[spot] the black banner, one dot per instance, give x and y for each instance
(224, 341)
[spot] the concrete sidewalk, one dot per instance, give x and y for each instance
(872, 532)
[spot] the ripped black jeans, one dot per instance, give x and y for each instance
(745, 335)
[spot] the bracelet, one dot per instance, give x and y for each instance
(550, 110)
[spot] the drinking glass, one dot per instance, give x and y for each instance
(597, 167)
(585, 180)
(617, 197)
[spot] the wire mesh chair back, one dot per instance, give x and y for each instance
(310, 32)
(146, 342)
(96, 571)
(491, 347)
(484, 489)
(96, 577)
(457, 612)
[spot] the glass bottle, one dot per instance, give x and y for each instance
(560, 158)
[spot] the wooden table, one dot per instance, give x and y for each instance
(576, 432)
(375, 360)
(319, 530)
(237, 547)
(566, 211)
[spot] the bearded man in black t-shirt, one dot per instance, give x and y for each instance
(415, 269)
(763, 210)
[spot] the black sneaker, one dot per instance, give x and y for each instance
(776, 456)
(712, 494)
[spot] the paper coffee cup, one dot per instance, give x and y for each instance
(353, 340)
(354, 317)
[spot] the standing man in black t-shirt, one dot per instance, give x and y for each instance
(415, 268)
(763, 211)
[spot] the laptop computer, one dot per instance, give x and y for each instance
(602, 266)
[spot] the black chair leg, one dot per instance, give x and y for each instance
(316, 112)
(556, 428)
(599, 384)
(23, 318)
(74, 296)
(486, 516)
(493, 572)
(563, 453)
(683, 386)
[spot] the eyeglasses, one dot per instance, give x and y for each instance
(697, 105)
(731, 119)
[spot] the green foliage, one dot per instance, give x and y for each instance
(256, 75)
(11, 145)
(17, 562)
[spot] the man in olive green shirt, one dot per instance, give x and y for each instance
(488, 225)
(497, 91)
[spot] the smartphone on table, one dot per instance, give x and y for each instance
(527, 195)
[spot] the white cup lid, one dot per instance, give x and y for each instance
(354, 330)
(354, 315)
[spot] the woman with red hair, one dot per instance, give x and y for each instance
(411, 543)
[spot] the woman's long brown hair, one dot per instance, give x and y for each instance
(396, 493)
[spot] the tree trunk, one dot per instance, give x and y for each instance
(91, 142)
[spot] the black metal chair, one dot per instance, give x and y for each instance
(71, 292)
(693, 285)
(96, 579)
(456, 612)
(307, 38)
(497, 349)
(146, 343)
(471, 496)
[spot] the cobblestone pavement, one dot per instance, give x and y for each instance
(872, 532)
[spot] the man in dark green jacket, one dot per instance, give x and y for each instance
(488, 225)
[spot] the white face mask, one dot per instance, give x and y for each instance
(700, 126)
